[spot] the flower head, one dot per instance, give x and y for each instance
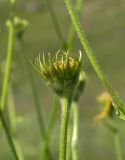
(61, 72)
(107, 104)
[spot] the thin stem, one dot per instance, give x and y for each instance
(13, 121)
(117, 146)
(11, 109)
(50, 127)
(8, 136)
(72, 29)
(55, 21)
(32, 86)
(118, 102)
(8, 65)
(66, 104)
(69, 137)
(75, 130)
(52, 117)
(5, 87)
(112, 127)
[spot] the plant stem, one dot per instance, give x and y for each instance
(112, 127)
(118, 102)
(55, 21)
(5, 86)
(13, 121)
(8, 135)
(52, 117)
(72, 29)
(117, 146)
(75, 130)
(8, 65)
(50, 127)
(66, 104)
(69, 138)
(11, 109)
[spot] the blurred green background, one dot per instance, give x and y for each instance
(104, 24)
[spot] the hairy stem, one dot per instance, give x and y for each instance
(66, 104)
(72, 29)
(74, 17)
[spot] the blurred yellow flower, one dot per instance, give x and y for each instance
(106, 101)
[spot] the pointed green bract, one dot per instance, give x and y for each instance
(60, 72)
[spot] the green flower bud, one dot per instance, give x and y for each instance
(20, 26)
(61, 73)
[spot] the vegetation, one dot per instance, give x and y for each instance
(31, 116)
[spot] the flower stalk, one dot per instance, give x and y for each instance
(66, 104)
(8, 64)
(61, 73)
(75, 130)
(7, 131)
(118, 103)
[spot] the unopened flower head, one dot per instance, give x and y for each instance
(20, 26)
(60, 72)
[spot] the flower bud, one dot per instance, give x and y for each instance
(61, 73)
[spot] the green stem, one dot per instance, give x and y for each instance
(50, 127)
(52, 118)
(55, 21)
(75, 130)
(69, 138)
(72, 29)
(8, 65)
(13, 121)
(11, 109)
(118, 102)
(8, 136)
(66, 104)
(5, 87)
(117, 146)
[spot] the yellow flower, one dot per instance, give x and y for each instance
(106, 101)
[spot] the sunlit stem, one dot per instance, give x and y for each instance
(75, 130)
